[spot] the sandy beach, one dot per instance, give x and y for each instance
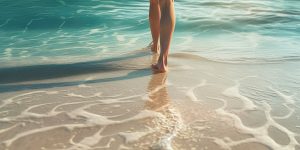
(76, 75)
(119, 103)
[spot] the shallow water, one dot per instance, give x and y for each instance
(69, 77)
(199, 104)
(67, 31)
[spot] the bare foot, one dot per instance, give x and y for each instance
(154, 48)
(159, 68)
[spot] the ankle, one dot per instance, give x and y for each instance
(155, 48)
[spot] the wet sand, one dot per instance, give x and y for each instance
(120, 104)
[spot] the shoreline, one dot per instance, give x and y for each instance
(198, 104)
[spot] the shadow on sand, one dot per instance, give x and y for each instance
(10, 77)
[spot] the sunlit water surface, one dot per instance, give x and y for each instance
(33, 31)
(233, 81)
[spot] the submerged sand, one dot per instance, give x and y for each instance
(120, 104)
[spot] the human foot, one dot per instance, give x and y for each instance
(154, 48)
(157, 68)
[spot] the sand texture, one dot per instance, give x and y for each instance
(120, 103)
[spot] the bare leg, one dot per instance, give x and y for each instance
(167, 25)
(154, 18)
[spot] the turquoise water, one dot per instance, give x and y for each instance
(198, 105)
(57, 31)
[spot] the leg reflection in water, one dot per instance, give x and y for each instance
(157, 92)
(170, 123)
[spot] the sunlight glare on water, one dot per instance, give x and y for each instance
(251, 30)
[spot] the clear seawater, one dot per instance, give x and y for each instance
(253, 103)
(60, 31)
